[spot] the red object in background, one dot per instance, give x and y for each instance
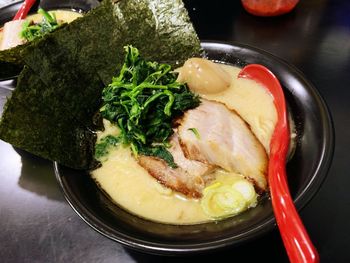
(24, 9)
(269, 7)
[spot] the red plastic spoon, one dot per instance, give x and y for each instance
(24, 9)
(295, 238)
(12, 28)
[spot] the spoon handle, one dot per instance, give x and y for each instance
(294, 235)
(24, 9)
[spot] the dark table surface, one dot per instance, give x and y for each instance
(37, 224)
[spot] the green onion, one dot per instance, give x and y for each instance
(223, 200)
(195, 132)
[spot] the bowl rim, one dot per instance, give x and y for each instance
(300, 200)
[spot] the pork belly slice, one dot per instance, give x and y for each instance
(11, 34)
(189, 178)
(224, 140)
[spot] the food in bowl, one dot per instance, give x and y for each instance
(205, 146)
(63, 73)
(19, 32)
(210, 164)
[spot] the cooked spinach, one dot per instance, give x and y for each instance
(159, 151)
(103, 146)
(143, 100)
(31, 31)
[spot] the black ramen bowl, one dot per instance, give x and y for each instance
(306, 170)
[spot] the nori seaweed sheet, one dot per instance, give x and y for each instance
(51, 111)
(31, 125)
(13, 55)
(11, 62)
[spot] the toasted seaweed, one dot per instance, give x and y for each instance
(13, 55)
(28, 123)
(161, 30)
(51, 112)
(11, 60)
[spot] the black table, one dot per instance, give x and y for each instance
(37, 225)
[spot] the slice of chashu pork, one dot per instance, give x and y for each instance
(224, 139)
(189, 178)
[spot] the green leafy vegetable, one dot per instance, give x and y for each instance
(159, 151)
(195, 132)
(31, 31)
(143, 102)
(103, 146)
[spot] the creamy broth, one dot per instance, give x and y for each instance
(131, 187)
(61, 15)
